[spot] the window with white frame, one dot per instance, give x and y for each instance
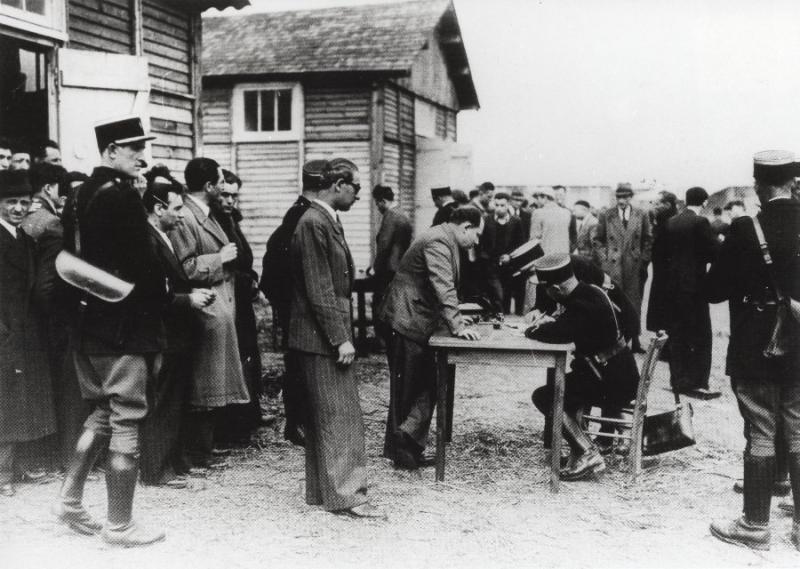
(40, 13)
(267, 111)
(424, 119)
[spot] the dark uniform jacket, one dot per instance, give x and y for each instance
(114, 237)
(391, 243)
(589, 321)
(740, 276)
(443, 214)
(690, 245)
(26, 396)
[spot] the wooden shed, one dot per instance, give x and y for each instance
(370, 83)
(66, 64)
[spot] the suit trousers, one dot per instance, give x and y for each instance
(690, 342)
(766, 407)
(116, 386)
(336, 464)
(412, 398)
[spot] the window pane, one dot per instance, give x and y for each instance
(12, 3)
(268, 111)
(285, 109)
(251, 111)
(35, 6)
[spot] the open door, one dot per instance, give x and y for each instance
(96, 86)
(439, 163)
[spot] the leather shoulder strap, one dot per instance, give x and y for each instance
(106, 186)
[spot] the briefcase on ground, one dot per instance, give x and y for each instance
(668, 431)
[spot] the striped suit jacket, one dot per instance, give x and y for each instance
(322, 273)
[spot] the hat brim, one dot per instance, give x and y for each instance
(133, 139)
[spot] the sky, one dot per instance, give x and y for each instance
(664, 94)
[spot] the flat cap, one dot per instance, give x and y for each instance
(545, 191)
(14, 184)
(624, 189)
(584, 203)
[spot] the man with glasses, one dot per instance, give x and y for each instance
(422, 296)
(321, 335)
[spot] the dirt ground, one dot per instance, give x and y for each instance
(494, 510)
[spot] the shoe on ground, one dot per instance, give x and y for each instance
(703, 393)
(7, 490)
(365, 510)
(588, 465)
(787, 506)
(780, 488)
(741, 532)
(406, 451)
(76, 518)
(623, 447)
(132, 535)
(295, 435)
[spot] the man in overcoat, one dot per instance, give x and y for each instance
(320, 333)
(690, 244)
(26, 397)
(622, 243)
(116, 345)
(766, 382)
(422, 298)
(207, 256)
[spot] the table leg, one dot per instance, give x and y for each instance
(451, 390)
(558, 410)
(441, 411)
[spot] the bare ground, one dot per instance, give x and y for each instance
(494, 510)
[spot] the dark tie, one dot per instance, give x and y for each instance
(20, 233)
(625, 218)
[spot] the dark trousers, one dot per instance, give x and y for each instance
(336, 473)
(690, 343)
(292, 389)
(412, 395)
(167, 398)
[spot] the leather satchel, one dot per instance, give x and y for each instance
(668, 431)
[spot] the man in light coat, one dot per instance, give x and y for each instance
(550, 223)
(422, 298)
(622, 243)
(207, 255)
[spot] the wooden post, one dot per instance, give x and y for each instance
(557, 412)
(195, 50)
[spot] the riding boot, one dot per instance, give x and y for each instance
(69, 507)
(588, 461)
(752, 529)
(120, 528)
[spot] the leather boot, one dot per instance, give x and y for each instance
(587, 461)
(120, 528)
(69, 507)
(752, 529)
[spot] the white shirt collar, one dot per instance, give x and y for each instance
(328, 208)
(11, 229)
(203, 206)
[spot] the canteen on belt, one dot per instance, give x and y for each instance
(97, 282)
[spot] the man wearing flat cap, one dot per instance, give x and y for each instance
(276, 283)
(603, 373)
(26, 397)
(622, 242)
(117, 346)
(689, 245)
(758, 273)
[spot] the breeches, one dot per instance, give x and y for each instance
(116, 386)
(766, 407)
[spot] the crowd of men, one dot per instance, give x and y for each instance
(127, 303)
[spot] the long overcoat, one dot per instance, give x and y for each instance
(26, 394)
(217, 370)
(624, 251)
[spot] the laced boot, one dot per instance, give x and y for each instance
(121, 529)
(69, 507)
(752, 529)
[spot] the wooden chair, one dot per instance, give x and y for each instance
(632, 427)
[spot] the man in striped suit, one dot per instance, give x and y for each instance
(320, 334)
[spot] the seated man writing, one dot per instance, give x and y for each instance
(603, 373)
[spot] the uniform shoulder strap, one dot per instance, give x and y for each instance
(108, 185)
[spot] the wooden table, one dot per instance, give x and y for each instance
(505, 347)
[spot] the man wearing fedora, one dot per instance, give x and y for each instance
(757, 271)
(116, 346)
(26, 398)
(622, 242)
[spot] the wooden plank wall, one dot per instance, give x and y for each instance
(101, 25)
(400, 145)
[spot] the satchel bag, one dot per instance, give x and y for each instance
(85, 276)
(788, 310)
(668, 431)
